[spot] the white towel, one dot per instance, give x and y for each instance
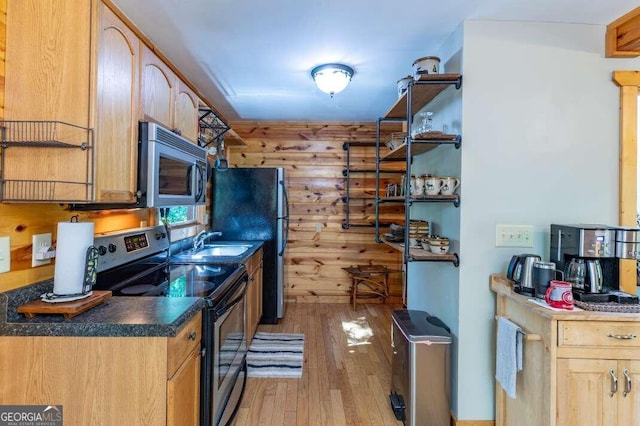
(508, 355)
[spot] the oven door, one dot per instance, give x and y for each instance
(226, 354)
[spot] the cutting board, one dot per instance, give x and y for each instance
(67, 309)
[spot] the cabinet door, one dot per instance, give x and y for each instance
(117, 91)
(629, 405)
(48, 60)
(47, 77)
(158, 86)
(183, 393)
(186, 112)
(584, 392)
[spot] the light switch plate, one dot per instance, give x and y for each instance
(514, 235)
(37, 241)
(5, 254)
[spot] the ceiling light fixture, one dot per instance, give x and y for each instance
(332, 78)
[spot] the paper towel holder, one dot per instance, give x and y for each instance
(89, 280)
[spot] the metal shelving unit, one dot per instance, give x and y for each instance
(347, 173)
(419, 93)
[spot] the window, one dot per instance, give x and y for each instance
(179, 215)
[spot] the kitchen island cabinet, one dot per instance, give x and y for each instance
(579, 367)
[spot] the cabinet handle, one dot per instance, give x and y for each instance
(192, 335)
(627, 385)
(614, 383)
(622, 336)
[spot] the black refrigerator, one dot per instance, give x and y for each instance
(250, 204)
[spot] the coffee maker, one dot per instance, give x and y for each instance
(593, 248)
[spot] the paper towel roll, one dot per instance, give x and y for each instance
(73, 240)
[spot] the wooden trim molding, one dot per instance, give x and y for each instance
(622, 39)
(629, 83)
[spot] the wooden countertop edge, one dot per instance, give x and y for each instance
(502, 286)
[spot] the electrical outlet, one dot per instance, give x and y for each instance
(5, 254)
(514, 235)
(39, 241)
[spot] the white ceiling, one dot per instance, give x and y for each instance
(252, 58)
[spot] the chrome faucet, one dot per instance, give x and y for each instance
(198, 240)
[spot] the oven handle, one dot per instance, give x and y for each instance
(226, 306)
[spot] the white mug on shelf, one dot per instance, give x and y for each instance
(449, 185)
(433, 185)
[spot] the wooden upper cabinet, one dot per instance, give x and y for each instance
(186, 112)
(73, 61)
(47, 77)
(166, 99)
(47, 73)
(77, 62)
(116, 110)
(158, 89)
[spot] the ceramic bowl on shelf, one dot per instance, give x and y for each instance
(439, 249)
(438, 241)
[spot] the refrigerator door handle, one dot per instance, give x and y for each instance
(286, 218)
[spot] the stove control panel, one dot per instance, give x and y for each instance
(120, 247)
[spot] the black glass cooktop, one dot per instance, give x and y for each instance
(166, 280)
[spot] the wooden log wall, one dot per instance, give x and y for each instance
(21, 221)
(318, 246)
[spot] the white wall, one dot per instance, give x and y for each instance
(540, 146)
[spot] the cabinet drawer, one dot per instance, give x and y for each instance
(185, 341)
(599, 333)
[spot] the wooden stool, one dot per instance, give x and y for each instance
(368, 281)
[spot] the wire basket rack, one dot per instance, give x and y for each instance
(45, 161)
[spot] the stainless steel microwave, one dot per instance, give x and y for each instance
(172, 171)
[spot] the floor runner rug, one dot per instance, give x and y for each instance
(276, 355)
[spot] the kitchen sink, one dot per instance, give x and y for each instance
(212, 252)
(221, 250)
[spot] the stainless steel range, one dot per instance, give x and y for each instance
(137, 263)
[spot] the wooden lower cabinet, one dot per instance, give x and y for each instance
(588, 393)
(580, 368)
(106, 380)
(183, 391)
(254, 294)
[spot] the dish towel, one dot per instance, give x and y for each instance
(508, 355)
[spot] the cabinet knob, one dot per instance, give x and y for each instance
(193, 335)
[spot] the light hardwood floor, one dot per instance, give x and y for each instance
(346, 374)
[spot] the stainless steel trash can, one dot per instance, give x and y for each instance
(420, 381)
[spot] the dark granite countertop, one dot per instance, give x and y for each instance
(117, 317)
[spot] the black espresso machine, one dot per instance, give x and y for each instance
(593, 252)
